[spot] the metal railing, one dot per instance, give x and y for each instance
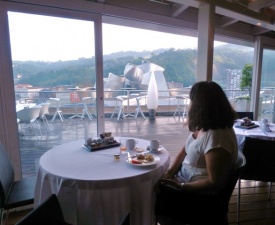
(167, 98)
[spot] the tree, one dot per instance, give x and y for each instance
(246, 78)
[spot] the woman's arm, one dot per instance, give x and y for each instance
(176, 165)
(218, 164)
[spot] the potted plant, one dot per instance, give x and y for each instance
(243, 101)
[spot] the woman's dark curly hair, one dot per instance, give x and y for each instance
(209, 108)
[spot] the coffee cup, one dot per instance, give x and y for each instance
(239, 122)
(154, 145)
(265, 127)
(264, 121)
(108, 140)
(131, 144)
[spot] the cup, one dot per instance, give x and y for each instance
(123, 146)
(131, 144)
(264, 121)
(239, 122)
(108, 140)
(265, 127)
(154, 145)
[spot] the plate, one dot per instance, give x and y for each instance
(159, 149)
(139, 149)
(156, 160)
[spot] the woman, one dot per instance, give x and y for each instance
(204, 165)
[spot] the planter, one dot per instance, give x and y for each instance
(242, 105)
(152, 113)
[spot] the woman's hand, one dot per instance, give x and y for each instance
(168, 175)
(171, 183)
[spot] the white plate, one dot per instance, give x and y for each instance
(156, 160)
(159, 149)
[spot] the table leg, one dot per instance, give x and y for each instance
(128, 103)
(75, 107)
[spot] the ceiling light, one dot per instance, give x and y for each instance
(259, 24)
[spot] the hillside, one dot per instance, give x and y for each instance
(180, 66)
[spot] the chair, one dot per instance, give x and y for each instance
(13, 193)
(260, 164)
(241, 115)
(182, 106)
(57, 111)
(43, 112)
(48, 213)
(217, 206)
(138, 109)
(119, 108)
(28, 116)
(86, 101)
(126, 219)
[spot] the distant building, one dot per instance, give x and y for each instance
(174, 85)
(26, 91)
(233, 79)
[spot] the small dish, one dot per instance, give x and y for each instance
(139, 149)
(159, 149)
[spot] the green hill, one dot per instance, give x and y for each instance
(180, 66)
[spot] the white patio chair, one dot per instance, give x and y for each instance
(43, 112)
(182, 107)
(119, 108)
(57, 111)
(27, 117)
(86, 101)
(138, 109)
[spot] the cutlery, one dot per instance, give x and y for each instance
(129, 157)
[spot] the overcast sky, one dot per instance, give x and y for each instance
(51, 39)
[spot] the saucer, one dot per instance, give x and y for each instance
(159, 149)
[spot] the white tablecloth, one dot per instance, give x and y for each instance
(95, 189)
(254, 132)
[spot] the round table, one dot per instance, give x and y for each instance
(93, 188)
(254, 132)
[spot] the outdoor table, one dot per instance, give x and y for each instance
(128, 96)
(21, 106)
(75, 99)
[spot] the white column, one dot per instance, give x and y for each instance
(256, 78)
(206, 31)
(99, 76)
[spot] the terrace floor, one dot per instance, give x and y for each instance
(255, 209)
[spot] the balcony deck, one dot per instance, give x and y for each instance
(255, 209)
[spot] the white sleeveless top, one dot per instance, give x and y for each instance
(194, 165)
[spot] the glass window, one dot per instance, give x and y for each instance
(267, 91)
(229, 64)
(53, 64)
(131, 55)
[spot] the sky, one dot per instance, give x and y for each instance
(43, 38)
